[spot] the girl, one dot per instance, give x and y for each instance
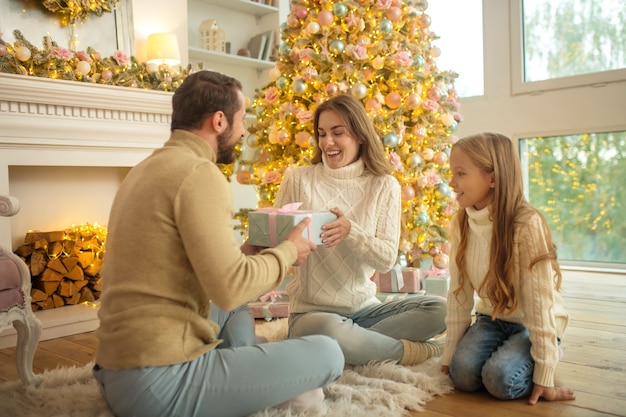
(332, 293)
(502, 249)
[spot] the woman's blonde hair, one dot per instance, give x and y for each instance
(360, 127)
(495, 154)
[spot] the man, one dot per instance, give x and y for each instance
(172, 261)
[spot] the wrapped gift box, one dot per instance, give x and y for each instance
(402, 280)
(394, 296)
(274, 304)
(437, 285)
(268, 227)
(425, 263)
(269, 310)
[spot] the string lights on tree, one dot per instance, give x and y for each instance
(381, 52)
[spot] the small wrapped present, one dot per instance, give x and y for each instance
(399, 279)
(437, 281)
(395, 296)
(274, 304)
(268, 227)
(426, 262)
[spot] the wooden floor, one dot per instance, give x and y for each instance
(594, 362)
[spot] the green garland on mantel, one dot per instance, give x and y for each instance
(74, 10)
(52, 61)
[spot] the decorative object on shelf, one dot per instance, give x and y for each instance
(212, 37)
(270, 41)
(23, 58)
(163, 49)
(244, 52)
(257, 45)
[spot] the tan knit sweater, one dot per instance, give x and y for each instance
(540, 308)
(171, 253)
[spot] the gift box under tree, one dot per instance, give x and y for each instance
(437, 281)
(399, 280)
(268, 227)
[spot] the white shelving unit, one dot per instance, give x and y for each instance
(205, 55)
(241, 20)
(247, 6)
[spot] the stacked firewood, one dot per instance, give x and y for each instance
(64, 266)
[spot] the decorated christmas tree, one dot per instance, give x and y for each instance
(381, 52)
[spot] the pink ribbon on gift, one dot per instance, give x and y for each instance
(434, 271)
(272, 296)
(291, 208)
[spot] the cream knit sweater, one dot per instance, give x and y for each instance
(338, 279)
(540, 307)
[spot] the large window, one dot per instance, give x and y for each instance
(459, 26)
(566, 43)
(576, 181)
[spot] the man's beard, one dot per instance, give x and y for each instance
(225, 152)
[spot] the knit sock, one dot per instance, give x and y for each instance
(417, 352)
(305, 400)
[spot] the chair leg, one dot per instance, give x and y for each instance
(28, 335)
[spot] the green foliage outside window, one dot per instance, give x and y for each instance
(576, 181)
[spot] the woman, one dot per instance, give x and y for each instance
(332, 293)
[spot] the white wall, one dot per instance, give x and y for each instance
(559, 111)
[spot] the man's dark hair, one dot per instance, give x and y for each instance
(201, 94)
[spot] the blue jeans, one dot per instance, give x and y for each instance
(494, 354)
(232, 381)
(374, 333)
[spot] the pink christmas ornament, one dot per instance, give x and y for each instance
(106, 75)
(408, 193)
(332, 89)
(440, 158)
(372, 105)
(243, 177)
(325, 17)
(413, 101)
(301, 12)
(393, 100)
(394, 14)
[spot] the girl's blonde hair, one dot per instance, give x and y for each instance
(360, 127)
(495, 154)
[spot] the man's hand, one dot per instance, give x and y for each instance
(250, 250)
(551, 394)
(303, 245)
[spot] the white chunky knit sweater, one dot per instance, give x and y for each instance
(338, 279)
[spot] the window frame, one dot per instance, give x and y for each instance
(568, 264)
(519, 86)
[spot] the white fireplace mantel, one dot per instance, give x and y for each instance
(45, 122)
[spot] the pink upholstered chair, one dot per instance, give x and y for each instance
(15, 302)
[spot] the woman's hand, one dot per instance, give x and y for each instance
(337, 230)
(550, 394)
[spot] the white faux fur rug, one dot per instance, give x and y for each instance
(378, 390)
